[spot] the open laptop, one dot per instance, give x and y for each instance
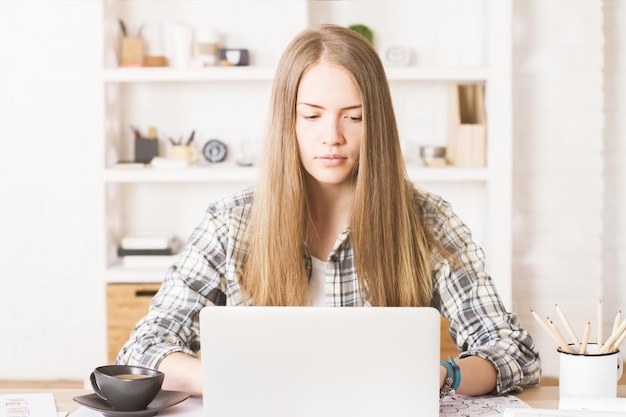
(315, 361)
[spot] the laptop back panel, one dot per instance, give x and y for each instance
(312, 361)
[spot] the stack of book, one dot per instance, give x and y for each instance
(148, 251)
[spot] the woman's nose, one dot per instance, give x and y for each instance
(331, 134)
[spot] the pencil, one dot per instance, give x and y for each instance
(619, 341)
(583, 345)
(559, 336)
(616, 323)
(569, 329)
(600, 325)
(613, 338)
(545, 327)
(540, 321)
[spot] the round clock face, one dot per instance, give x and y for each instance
(214, 151)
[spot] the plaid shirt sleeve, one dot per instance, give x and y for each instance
(208, 261)
(466, 295)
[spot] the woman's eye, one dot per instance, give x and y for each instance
(355, 118)
(311, 116)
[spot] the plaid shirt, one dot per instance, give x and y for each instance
(464, 294)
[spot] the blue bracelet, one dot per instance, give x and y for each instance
(457, 373)
(453, 378)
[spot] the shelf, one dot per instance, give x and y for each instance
(437, 74)
(166, 74)
(119, 274)
(218, 173)
(231, 173)
(447, 174)
(252, 73)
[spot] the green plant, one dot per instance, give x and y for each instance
(363, 30)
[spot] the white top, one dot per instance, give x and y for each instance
(317, 291)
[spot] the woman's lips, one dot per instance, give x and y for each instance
(332, 159)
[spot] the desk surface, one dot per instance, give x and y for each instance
(536, 397)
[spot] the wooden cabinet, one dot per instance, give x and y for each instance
(126, 304)
(447, 346)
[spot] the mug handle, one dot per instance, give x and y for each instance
(620, 366)
(95, 386)
(194, 155)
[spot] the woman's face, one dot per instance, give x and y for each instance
(329, 117)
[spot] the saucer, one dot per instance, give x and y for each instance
(163, 400)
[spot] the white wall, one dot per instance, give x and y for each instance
(49, 55)
(50, 306)
(567, 197)
(615, 155)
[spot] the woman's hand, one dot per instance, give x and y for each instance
(182, 373)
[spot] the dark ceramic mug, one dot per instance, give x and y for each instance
(126, 387)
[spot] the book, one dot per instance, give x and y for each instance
(148, 242)
(172, 248)
(144, 252)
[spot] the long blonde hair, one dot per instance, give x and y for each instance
(392, 248)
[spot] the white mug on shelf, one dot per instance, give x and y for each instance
(177, 39)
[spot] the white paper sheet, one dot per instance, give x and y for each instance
(27, 405)
(463, 406)
(453, 406)
(541, 412)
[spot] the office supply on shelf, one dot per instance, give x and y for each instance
(146, 149)
(123, 28)
(193, 133)
(145, 252)
(214, 150)
(148, 242)
(312, 361)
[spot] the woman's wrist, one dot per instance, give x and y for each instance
(451, 379)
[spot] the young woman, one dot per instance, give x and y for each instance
(333, 222)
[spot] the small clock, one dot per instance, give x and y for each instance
(214, 151)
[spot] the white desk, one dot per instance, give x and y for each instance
(536, 397)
